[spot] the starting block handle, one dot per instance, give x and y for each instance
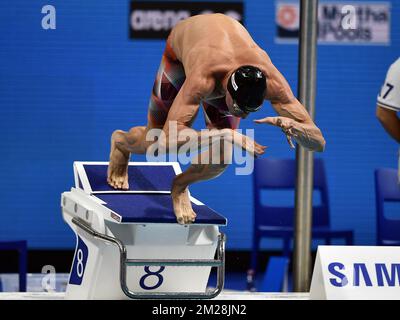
(124, 262)
(174, 262)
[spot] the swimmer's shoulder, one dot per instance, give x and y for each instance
(200, 83)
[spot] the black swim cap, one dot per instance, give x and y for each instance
(247, 86)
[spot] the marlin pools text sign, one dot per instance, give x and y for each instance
(338, 22)
(356, 272)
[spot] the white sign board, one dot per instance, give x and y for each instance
(356, 272)
(362, 23)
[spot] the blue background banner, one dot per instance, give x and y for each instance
(64, 91)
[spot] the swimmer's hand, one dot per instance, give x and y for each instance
(254, 148)
(287, 125)
(248, 144)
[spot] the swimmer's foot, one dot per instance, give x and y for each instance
(117, 173)
(182, 206)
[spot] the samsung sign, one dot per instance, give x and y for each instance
(356, 272)
(338, 22)
(378, 274)
(154, 20)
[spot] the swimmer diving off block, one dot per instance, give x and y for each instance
(211, 59)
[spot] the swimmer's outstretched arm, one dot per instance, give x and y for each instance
(293, 117)
(302, 129)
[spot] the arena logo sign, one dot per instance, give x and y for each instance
(154, 20)
(338, 23)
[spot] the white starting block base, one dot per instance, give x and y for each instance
(101, 275)
(129, 244)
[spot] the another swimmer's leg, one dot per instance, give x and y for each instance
(122, 145)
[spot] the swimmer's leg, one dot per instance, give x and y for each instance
(169, 80)
(122, 145)
(204, 168)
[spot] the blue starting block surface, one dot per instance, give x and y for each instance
(141, 178)
(148, 199)
(154, 208)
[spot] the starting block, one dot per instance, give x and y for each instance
(129, 244)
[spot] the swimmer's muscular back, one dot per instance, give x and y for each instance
(215, 32)
(211, 45)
